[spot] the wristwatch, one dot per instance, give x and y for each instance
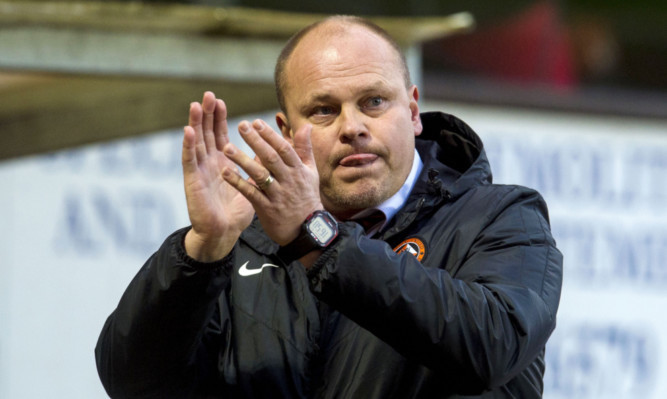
(318, 231)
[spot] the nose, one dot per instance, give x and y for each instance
(352, 124)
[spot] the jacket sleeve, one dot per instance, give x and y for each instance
(479, 319)
(149, 345)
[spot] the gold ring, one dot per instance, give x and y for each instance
(266, 183)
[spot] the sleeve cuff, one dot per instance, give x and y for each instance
(178, 243)
(320, 269)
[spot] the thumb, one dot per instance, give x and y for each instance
(304, 146)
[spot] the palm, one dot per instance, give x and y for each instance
(215, 206)
(217, 211)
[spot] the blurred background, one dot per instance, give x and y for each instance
(570, 98)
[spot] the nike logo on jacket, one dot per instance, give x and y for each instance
(244, 271)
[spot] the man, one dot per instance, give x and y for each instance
(454, 293)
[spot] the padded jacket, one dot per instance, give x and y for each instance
(465, 311)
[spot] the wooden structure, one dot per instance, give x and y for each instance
(78, 72)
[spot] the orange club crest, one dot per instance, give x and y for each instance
(413, 246)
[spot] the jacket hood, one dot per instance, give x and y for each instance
(454, 162)
(453, 155)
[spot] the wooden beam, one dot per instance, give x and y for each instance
(206, 20)
(48, 112)
(118, 69)
(169, 39)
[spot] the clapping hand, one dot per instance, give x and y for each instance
(218, 212)
(284, 184)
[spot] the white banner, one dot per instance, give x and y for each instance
(604, 179)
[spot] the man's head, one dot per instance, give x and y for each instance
(348, 79)
(337, 22)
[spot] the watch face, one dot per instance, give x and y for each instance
(321, 230)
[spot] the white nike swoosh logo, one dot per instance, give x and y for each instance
(244, 271)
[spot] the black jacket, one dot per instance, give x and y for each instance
(470, 318)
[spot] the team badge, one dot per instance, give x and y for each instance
(413, 246)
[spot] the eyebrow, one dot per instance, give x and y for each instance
(377, 86)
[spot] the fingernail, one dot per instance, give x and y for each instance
(243, 127)
(229, 149)
(258, 124)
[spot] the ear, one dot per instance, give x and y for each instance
(283, 125)
(413, 94)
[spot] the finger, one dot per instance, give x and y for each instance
(266, 183)
(253, 194)
(264, 151)
(282, 147)
(220, 129)
(303, 145)
(195, 122)
(189, 157)
(195, 116)
(255, 170)
(209, 105)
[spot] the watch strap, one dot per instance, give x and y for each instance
(299, 247)
(305, 243)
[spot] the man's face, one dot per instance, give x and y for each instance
(350, 88)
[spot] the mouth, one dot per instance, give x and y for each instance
(358, 160)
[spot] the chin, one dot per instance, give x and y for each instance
(354, 197)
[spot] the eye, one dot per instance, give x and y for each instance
(374, 102)
(323, 110)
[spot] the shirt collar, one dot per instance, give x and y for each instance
(391, 206)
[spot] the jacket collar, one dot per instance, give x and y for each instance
(453, 155)
(454, 162)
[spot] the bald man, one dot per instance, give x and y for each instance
(368, 254)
